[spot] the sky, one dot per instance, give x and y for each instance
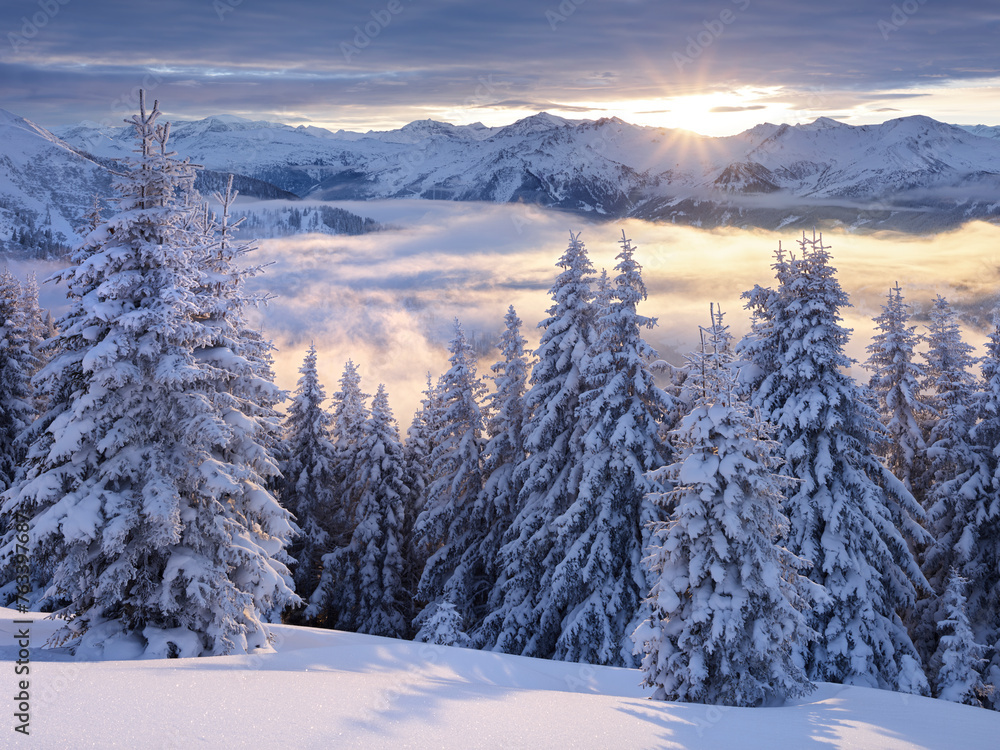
(714, 67)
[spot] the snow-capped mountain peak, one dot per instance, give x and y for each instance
(822, 123)
(540, 123)
(818, 172)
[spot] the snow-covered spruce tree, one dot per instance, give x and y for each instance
(252, 382)
(895, 383)
(365, 578)
(92, 219)
(550, 475)
(417, 450)
(976, 517)
(444, 626)
(727, 623)
(444, 529)
(695, 377)
(496, 505)
(146, 496)
(603, 291)
(759, 352)
(593, 598)
(958, 660)
(349, 416)
(308, 482)
(955, 474)
(18, 362)
(37, 322)
(950, 387)
(238, 357)
(848, 515)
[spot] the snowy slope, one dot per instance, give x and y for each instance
(908, 173)
(986, 131)
(43, 181)
(321, 689)
(48, 184)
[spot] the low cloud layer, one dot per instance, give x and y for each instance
(387, 300)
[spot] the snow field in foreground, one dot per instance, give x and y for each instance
(322, 689)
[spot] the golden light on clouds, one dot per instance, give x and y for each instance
(387, 300)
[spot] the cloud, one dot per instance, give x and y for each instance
(297, 57)
(737, 109)
(534, 106)
(387, 300)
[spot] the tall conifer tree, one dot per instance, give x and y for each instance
(550, 475)
(496, 505)
(594, 594)
(727, 623)
(308, 486)
(364, 579)
(145, 491)
(848, 515)
(895, 383)
(444, 530)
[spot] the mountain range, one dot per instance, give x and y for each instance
(912, 174)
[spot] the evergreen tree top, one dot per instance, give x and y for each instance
(572, 288)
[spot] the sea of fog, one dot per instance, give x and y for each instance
(388, 300)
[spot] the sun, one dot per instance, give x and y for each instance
(714, 114)
(717, 113)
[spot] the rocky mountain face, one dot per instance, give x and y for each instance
(912, 174)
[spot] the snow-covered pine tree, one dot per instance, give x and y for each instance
(245, 395)
(950, 387)
(251, 381)
(444, 626)
(594, 594)
(727, 624)
(496, 505)
(92, 219)
(308, 482)
(550, 475)
(696, 378)
(976, 518)
(145, 496)
(37, 322)
(895, 383)
(955, 471)
(417, 451)
(349, 416)
(958, 660)
(760, 351)
(365, 578)
(18, 362)
(18, 407)
(848, 515)
(444, 530)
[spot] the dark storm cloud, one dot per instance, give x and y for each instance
(67, 59)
